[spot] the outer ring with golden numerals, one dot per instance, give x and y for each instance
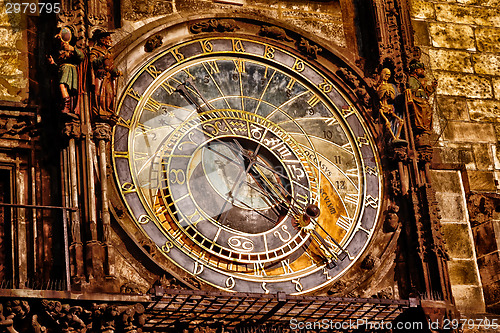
(186, 97)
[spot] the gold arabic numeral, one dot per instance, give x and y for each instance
(128, 188)
(325, 86)
(351, 198)
(194, 218)
(152, 105)
(144, 219)
(167, 246)
(371, 171)
(269, 52)
(298, 66)
(371, 201)
(168, 88)
(238, 45)
(206, 46)
(259, 269)
(331, 121)
(263, 285)
(347, 110)
(298, 285)
(123, 122)
(121, 154)
(340, 184)
(213, 68)
(177, 55)
(313, 101)
(363, 141)
(134, 94)
(198, 268)
(179, 177)
(239, 65)
(285, 264)
(344, 222)
(151, 69)
(230, 283)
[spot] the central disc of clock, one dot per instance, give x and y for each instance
(244, 177)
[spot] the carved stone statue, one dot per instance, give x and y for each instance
(387, 93)
(419, 99)
(67, 59)
(103, 75)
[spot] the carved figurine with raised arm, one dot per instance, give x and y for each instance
(67, 59)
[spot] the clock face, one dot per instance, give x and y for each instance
(246, 166)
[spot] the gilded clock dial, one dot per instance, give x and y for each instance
(246, 166)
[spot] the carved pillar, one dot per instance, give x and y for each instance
(102, 135)
(70, 182)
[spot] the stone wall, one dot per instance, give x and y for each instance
(13, 56)
(460, 42)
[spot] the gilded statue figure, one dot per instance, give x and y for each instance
(67, 59)
(103, 75)
(419, 98)
(387, 93)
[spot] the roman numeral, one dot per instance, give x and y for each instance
(344, 222)
(313, 100)
(152, 105)
(240, 65)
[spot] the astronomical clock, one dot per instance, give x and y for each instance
(245, 158)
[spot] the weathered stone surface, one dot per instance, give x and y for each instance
(472, 86)
(423, 10)
(468, 132)
(454, 108)
(421, 29)
(140, 9)
(496, 88)
(458, 242)
(463, 272)
(457, 154)
(452, 36)
(483, 156)
(486, 64)
(446, 181)
(484, 239)
(488, 39)
(468, 299)
(492, 292)
(472, 15)
(452, 207)
(451, 60)
(484, 110)
(481, 180)
(488, 3)
(489, 267)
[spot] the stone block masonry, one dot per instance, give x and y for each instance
(460, 43)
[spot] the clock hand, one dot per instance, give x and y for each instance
(182, 89)
(190, 84)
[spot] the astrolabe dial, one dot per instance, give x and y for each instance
(247, 166)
